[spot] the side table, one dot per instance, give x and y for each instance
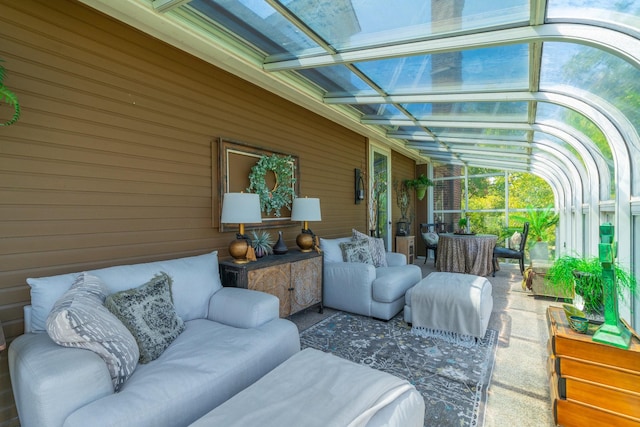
(406, 245)
(295, 278)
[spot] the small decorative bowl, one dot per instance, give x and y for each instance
(579, 324)
(572, 310)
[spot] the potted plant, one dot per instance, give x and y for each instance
(583, 278)
(540, 222)
(262, 243)
(420, 184)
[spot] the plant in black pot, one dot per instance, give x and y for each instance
(583, 278)
(262, 242)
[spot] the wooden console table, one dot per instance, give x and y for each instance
(591, 383)
(295, 278)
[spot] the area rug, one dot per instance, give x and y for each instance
(453, 379)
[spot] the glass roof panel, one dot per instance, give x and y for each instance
(256, 22)
(625, 12)
(495, 68)
(346, 24)
(472, 111)
(336, 78)
(596, 71)
(475, 133)
(378, 109)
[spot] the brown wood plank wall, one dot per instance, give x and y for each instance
(402, 168)
(110, 162)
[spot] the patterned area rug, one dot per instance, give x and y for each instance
(452, 379)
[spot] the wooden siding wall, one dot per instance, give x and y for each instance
(111, 161)
(402, 168)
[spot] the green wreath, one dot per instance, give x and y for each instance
(281, 195)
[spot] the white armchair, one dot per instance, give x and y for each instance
(363, 288)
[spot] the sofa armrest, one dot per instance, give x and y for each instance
(243, 308)
(395, 259)
(50, 381)
(347, 286)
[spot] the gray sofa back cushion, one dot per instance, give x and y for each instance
(195, 280)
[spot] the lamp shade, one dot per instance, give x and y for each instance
(306, 209)
(240, 208)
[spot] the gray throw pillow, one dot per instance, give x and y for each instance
(79, 319)
(514, 241)
(148, 312)
(376, 247)
(356, 251)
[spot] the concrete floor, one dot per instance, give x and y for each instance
(519, 391)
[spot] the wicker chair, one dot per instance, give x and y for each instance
(500, 252)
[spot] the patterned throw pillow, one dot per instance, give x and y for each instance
(148, 312)
(376, 248)
(356, 251)
(431, 238)
(79, 319)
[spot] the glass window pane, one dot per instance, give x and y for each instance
(607, 76)
(347, 24)
(617, 12)
(256, 22)
(472, 111)
(495, 68)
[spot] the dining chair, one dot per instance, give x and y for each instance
(429, 233)
(500, 252)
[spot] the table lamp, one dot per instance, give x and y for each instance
(306, 209)
(240, 208)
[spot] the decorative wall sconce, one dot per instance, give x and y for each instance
(306, 209)
(359, 186)
(240, 208)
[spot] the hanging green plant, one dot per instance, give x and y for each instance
(281, 195)
(10, 98)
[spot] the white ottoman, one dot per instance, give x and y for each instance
(449, 305)
(317, 389)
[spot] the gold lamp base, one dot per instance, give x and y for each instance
(238, 250)
(305, 242)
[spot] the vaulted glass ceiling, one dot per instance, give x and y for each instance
(550, 87)
(476, 82)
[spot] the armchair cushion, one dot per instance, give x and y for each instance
(356, 251)
(376, 247)
(331, 249)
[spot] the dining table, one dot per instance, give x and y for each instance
(466, 253)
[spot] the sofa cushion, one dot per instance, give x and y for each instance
(205, 366)
(148, 312)
(331, 249)
(376, 247)
(195, 280)
(79, 319)
(356, 251)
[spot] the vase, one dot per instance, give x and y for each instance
(260, 252)
(280, 248)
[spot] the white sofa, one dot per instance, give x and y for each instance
(232, 337)
(362, 288)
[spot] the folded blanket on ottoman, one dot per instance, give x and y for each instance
(312, 388)
(452, 306)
